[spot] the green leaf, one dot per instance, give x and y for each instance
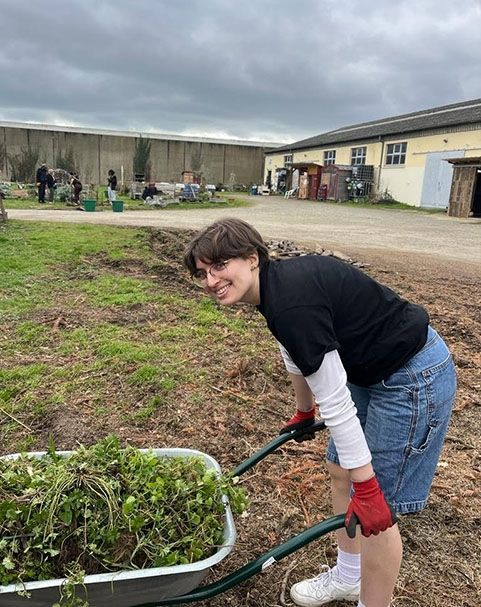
(129, 505)
(65, 515)
(8, 563)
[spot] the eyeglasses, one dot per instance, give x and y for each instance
(199, 277)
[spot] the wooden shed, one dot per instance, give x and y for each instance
(335, 179)
(309, 179)
(465, 196)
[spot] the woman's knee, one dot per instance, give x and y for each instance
(339, 476)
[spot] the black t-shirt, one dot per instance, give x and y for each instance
(112, 182)
(315, 304)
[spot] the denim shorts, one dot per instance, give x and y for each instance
(405, 418)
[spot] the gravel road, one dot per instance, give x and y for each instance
(312, 223)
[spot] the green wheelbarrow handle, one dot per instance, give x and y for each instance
(256, 566)
(274, 555)
(273, 445)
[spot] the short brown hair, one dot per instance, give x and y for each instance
(225, 239)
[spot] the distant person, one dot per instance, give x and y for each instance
(41, 180)
(3, 212)
(150, 191)
(112, 186)
(51, 184)
(76, 189)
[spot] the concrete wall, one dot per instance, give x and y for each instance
(404, 182)
(96, 153)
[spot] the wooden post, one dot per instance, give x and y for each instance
(3, 212)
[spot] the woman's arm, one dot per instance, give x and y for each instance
(367, 506)
(328, 388)
(303, 395)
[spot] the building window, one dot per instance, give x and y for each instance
(358, 156)
(330, 157)
(287, 160)
(396, 153)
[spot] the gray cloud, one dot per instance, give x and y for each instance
(276, 70)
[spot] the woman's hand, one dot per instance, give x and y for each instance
(301, 420)
(369, 508)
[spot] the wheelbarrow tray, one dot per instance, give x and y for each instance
(126, 588)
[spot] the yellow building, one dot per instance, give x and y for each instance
(404, 157)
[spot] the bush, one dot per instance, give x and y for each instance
(63, 193)
(385, 197)
(6, 189)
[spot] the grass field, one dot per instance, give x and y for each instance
(86, 307)
(130, 205)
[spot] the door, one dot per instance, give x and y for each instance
(438, 175)
(476, 206)
(313, 186)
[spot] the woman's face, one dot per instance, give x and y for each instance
(235, 281)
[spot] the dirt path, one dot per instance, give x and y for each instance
(333, 226)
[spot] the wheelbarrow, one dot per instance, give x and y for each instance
(177, 584)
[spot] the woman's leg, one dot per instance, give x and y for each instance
(380, 562)
(380, 555)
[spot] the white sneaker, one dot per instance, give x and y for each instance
(324, 588)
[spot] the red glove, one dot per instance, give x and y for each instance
(301, 420)
(369, 508)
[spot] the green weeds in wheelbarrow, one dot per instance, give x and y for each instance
(269, 558)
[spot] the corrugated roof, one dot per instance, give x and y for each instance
(466, 161)
(467, 112)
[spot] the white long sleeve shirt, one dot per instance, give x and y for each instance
(336, 408)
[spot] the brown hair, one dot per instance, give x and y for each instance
(225, 239)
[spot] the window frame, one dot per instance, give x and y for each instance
(355, 156)
(329, 157)
(396, 151)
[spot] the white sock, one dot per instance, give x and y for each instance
(348, 567)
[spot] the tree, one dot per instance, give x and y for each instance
(66, 161)
(23, 165)
(141, 162)
(3, 157)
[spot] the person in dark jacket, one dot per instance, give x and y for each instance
(382, 378)
(41, 180)
(51, 184)
(112, 186)
(76, 189)
(150, 191)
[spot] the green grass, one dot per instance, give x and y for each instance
(111, 290)
(129, 205)
(87, 321)
(366, 204)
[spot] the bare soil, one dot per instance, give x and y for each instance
(289, 491)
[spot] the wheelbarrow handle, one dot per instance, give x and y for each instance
(273, 445)
(255, 566)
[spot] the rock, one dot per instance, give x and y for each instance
(342, 256)
(286, 248)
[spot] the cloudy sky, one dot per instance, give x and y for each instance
(271, 70)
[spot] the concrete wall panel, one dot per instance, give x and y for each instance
(95, 153)
(115, 153)
(175, 160)
(159, 160)
(213, 163)
(243, 165)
